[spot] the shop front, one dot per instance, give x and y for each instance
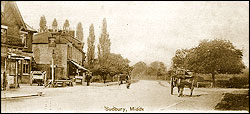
(76, 72)
(15, 69)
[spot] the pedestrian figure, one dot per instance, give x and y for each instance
(4, 81)
(88, 77)
(128, 81)
(104, 78)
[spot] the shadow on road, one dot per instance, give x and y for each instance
(191, 96)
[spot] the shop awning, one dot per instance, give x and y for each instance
(79, 66)
(17, 56)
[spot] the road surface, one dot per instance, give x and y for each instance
(143, 96)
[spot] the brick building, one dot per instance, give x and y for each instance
(16, 46)
(68, 54)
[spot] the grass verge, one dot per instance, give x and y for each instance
(234, 102)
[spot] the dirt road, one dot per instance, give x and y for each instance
(143, 96)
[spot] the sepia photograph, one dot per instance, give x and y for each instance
(124, 56)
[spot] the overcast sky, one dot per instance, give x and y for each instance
(149, 31)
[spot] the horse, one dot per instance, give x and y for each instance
(181, 81)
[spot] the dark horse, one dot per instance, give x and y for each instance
(181, 81)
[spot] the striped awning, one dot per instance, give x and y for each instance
(78, 66)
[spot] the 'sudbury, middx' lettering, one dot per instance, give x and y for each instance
(136, 109)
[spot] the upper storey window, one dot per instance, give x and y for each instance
(3, 33)
(24, 36)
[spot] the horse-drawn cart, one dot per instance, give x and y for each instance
(182, 79)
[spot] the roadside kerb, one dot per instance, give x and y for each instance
(21, 96)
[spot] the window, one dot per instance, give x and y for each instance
(12, 67)
(2, 7)
(69, 52)
(26, 66)
(52, 41)
(24, 38)
(3, 33)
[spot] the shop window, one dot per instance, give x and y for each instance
(26, 66)
(12, 68)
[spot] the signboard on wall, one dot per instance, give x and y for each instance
(52, 41)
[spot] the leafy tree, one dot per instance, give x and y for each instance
(66, 25)
(109, 63)
(104, 49)
(117, 63)
(178, 61)
(215, 57)
(104, 44)
(162, 69)
(54, 24)
(43, 23)
(156, 68)
(139, 69)
(91, 47)
(79, 31)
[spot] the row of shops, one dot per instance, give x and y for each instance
(24, 50)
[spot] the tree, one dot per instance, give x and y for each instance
(43, 23)
(79, 32)
(115, 64)
(139, 69)
(156, 69)
(178, 61)
(162, 69)
(104, 50)
(91, 46)
(66, 25)
(215, 57)
(54, 24)
(104, 44)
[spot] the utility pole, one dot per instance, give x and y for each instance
(52, 71)
(52, 44)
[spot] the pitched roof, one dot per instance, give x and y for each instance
(17, 14)
(29, 28)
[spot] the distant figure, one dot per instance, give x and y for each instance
(128, 81)
(4, 81)
(88, 77)
(104, 78)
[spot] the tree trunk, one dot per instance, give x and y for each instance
(213, 78)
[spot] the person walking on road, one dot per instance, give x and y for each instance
(128, 81)
(88, 77)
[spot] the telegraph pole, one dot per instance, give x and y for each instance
(52, 71)
(52, 44)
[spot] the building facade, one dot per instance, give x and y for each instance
(67, 53)
(16, 46)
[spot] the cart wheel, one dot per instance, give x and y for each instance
(171, 85)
